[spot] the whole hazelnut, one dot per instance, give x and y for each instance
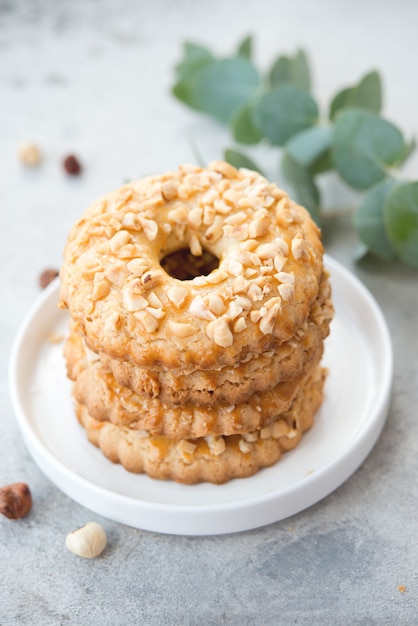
(15, 500)
(72, 165)
(29, 154)
(88, 541)
(47, 277)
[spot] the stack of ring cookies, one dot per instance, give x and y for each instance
(199, 306)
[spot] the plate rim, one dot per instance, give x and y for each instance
(355, 452)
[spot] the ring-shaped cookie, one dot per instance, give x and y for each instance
(128, 306)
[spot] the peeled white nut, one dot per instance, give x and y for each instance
(88, 541)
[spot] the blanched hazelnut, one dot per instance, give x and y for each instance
(29, 154)
(15, 500)
(88, 541)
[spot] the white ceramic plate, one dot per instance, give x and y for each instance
(359, 357)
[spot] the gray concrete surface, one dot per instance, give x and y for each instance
(93, 78)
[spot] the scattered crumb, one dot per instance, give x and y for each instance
(55, 338)
(401, 588)
(309, 472)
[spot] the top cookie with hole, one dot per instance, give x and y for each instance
(197, 268)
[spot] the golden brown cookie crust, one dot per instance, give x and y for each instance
(216, 459)
(233, 384)
(107, 400)
(126, 305)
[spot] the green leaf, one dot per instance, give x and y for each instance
(408, 150)
(245, 48)
(243, 127)
(341, 101)
(194, 57)
(280, 73)
(308, 146)
(303, 185)
(219, 87)
(401, 220)
(323, 164)
(369, 221)
(284, 112)
(300, 71)
(367, 94)
(291, 71)
(237, 159)
(364, 146)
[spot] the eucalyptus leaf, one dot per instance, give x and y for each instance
(300, 71)
(291, 71)
(219, 87)
(401, 220)
(408, 150)
(364, 147)
(237, 159)
(245, 48)
(243, 126)
(280, 73)
(303, 185)
(367, 94)
(369, 221)
(283, 112)
(194, 57)
(308, 146)
(325, 163)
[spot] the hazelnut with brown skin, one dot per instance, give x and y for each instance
(47, 277)
(15, 500)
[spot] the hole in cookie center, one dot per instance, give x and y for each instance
(183, 265)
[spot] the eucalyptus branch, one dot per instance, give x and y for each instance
(351, 139)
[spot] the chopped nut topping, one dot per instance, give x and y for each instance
(251, 437)
(150, 228)
(157, 313)
(178, 215)
(194, 217)
(169, 190)
(267, 321)
(285, 277)
(181, 330)
(287, 292)
(195, 246)
(216, 276)
(279, 429)
(149, 322)
(151, 279)
(199, 308)
(216, 444)
(100, 290)
(154, 300)
(240, 325)
(117, 273)
(266, 433)
(138, 266)
(244, 446)
(216, 304)
(236, 218)
(224, 168)
(218, 330)
(298, 248)
(121, 238)
(132, 300)
(187, 449)
(177, 295)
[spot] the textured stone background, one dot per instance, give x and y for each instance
(93, 78)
